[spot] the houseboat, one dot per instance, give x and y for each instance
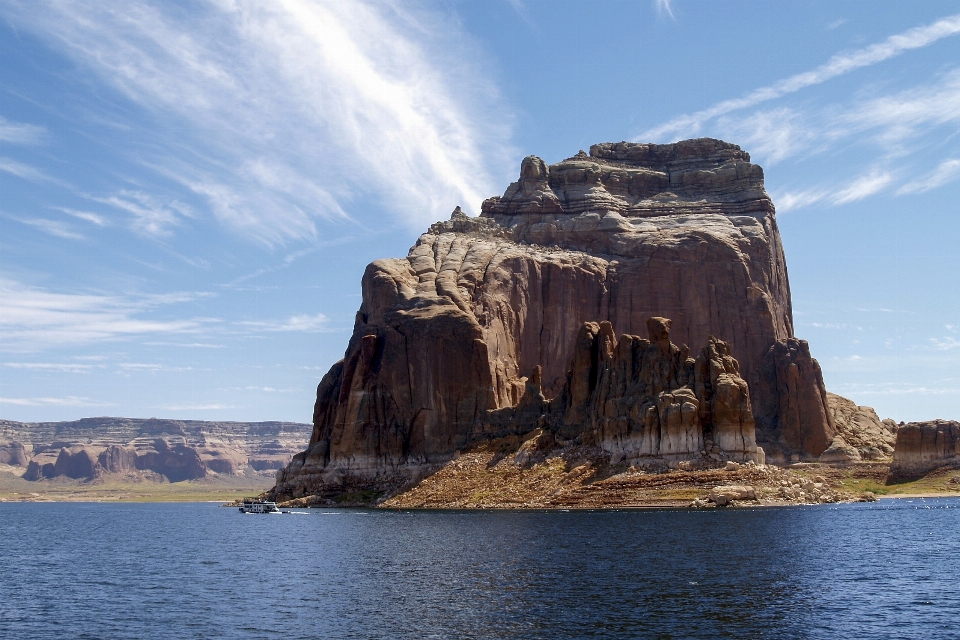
(257, 505)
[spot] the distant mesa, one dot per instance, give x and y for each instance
(169, 450)
(504, 323)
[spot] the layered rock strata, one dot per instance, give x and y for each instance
(643, 398)
(925, 446)
(175, 449)
(628, 232)
(643, 401)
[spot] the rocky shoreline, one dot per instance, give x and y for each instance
(510, 473)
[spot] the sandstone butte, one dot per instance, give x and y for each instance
(506, 326)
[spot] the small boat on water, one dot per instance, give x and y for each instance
(258, 505)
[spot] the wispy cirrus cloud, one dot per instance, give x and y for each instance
(21, 133)
(67, 401)
(284, 113)
(689, 125)
(897, 389)
(946, 172)
(149, 216)
(945, 344)
(890, 123)
(28, 172)
(304, 322)
(196, 407)
(33, 319)
(858, 188)
(898, 129)
(60, 367)
(665, 8)
(56, 228)
(864, 186)
(88, 216)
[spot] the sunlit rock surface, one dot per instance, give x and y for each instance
(455, 330)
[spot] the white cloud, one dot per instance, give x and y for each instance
(772, 135)
(92, 218)
(52, 227)
(664, 7)
(196, 407)
(836, 23)
(897, 117)
(889, 121)
(189, 345)
(27, 172)
(281, 114)
(859, 188)
(20, 133)
(690, 124)
(307, 323)
(790, 200)
(33, 319)
(945, 344)
(68, 401)
(864, 186)
(150, 366)
(53, 366)
(150, 216)
(894, 388)
(946, 172)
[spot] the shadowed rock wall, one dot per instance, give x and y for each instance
(631, 231)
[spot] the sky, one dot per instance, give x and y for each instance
(190, 191)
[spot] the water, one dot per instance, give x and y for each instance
(884, 570)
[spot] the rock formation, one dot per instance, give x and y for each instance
(626, 233)
(861, 434)
(117, 459)
(76, 462)
(175, 449)
(13, 453)
(175, 460)
(642, 398)
(925, 446)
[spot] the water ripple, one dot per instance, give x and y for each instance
(883, 570)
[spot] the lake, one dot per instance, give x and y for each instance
(889, 569)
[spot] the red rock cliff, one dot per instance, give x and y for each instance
(626, 233)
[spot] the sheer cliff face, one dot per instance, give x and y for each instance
(924, 446)
(631, 231)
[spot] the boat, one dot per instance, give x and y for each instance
(258, 505)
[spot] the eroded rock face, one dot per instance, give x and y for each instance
(118, 459)
(924, 446)
(13, 453)
(862, 430)
(175, 460)
(647, 398)
(644, 400)
(76, 462)
(41, 466)
(791, 405)
(629, 232)
(840, 452)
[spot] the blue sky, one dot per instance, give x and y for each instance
(190, 191)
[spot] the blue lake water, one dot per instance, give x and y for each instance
(885, 570)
